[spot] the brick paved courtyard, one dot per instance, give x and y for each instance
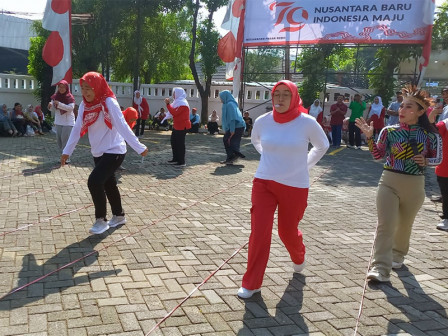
(184, 225)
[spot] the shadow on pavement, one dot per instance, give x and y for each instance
(60, 280)
(287, 319)
(423, 313)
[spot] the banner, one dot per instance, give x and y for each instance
(57, 51)
(270, 22)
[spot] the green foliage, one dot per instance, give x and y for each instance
(260, 62)
(163, 54)
(312, 63)
(37, 68)
(387, 60)
(208, 49)
(440, 29)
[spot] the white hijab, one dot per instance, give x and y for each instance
(138, 102)
(315, 110)
(376, 108)
(180, 98)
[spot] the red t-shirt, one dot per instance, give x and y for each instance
(181, 117)
(338, 117)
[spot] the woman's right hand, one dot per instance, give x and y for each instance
(50, 105)
(167, 101)
(364, 126)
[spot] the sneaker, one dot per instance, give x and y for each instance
(172, 162)
(375, 275)
(121, 168)
(117, 220)
(397, 265)
(99, 226)
(247, 293)
(179, 165)
(443, 225)
(350, 146)
(436, 198)
(358, 147)
(298, 268)
(68, 160)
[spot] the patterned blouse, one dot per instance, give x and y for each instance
(399, 142)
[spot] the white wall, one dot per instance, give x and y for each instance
(16, 88)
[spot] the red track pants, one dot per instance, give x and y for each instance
(291, 202)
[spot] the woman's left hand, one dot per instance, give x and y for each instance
(420, 160)
(144, 152)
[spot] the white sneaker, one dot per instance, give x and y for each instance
(375, 275)
(298, 268)
(247, 293)
(358, 147)
(397, 265)
(350, 146)
(443, 225)
(99, 226)
(116, 220)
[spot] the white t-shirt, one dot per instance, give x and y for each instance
(284, 148)
(103, 139)
(65, 119)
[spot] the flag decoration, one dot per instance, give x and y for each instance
(57, 51)
(231, 45)
(428, 18)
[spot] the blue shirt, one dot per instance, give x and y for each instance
(194, 118)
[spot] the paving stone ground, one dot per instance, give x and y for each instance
(182, 226)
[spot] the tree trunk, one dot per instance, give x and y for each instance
(199, 86)
(138, 29)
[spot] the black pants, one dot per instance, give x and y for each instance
(354, 134)
(178, 145)
(194, 128)
(443, 185)
(102, 182)
(212, 127)
(140, 127)
(233, 146)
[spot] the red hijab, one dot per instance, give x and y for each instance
(65, 98)
(130, 115)
(93, 109)
(295, 107)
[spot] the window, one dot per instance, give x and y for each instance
(257, 95)
(216, 93)
(249, 95)
(266, 95)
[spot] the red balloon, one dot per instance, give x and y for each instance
(227, 48)
(53, 50)
(60, 6)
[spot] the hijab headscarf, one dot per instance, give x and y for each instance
(65, 98)
(180, 98)
(315, 110)
(131, 116)
(376, 108)
(93, 109)
(138, 102)
(295, 107)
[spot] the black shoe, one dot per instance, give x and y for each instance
(121, 168)
(240, 155)
(172, 162)
(179, 165)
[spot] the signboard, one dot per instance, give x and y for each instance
(270, 22)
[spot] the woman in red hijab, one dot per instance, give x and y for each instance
(281, 181)
(100, 115)
(131, 116)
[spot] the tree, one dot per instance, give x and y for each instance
(164, 51)
(37, 67)
(440, 29)
(208, 50)
(258, 63)
(387, 59)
